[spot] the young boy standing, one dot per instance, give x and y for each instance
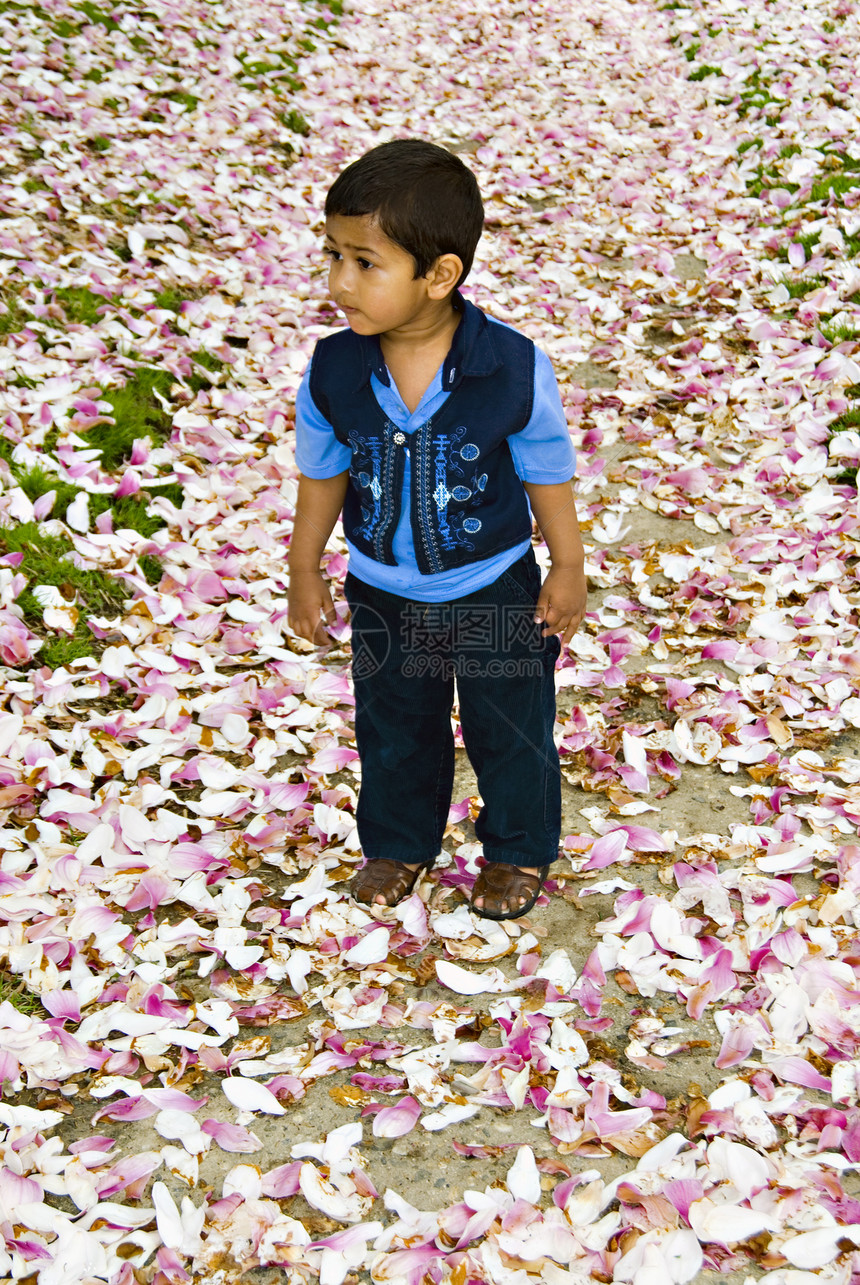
(436, 430)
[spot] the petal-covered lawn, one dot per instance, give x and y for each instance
(673, 200)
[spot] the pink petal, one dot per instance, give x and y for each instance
(394, 1122)
(796, 1070)
(283, 1181)
(607, 849)
(737, 1044)
(231, 1137)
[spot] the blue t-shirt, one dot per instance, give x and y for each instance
(542, 453)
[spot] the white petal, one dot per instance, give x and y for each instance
(465, 982)
(219, 803)
(450, 1113)
(817, 1248)
(78, 513)
(559, 970)
(372, 949)
(248, 1095)
(182, 1163)
(241, 957)
(727, 1224)
(245, 1180)
(167, 1216)
(325, 1197)
(523, 1180)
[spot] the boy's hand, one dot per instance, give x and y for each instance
(309, 600)
(562, 602)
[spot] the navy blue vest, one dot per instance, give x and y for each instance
(467, 502)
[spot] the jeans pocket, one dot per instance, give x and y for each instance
(522, 580)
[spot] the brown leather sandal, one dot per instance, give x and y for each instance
(500, 885)
(392, 879)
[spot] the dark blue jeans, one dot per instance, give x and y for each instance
(406, 657)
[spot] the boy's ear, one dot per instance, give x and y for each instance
(443, 275)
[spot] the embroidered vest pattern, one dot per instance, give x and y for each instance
(467, 502)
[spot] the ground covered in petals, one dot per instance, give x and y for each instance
(214, 1064)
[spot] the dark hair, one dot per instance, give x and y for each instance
(423, 198)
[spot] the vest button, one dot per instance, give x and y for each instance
(399, 439)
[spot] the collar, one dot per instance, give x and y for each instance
(472, 351)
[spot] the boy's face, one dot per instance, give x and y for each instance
(372, 280)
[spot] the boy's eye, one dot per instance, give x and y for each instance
(330, 253)
(364, 264)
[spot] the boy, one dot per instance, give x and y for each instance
(434, 430)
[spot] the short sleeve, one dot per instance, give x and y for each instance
(542, 451)
(318, 452)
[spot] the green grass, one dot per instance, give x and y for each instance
(294, 120)
(335, 8)
(97, 16)
(841, 334)
(151, 568)
(129, 511)
(847, 420)
(757, 95)
(766, 177)
(836, 184)
(137, 413)
(13, 318)
(180, 96)
(203, 361)
(64, 29)
(47, 560)
(36, 482)
(807, 239)
(12, 990)
(703, 71)
(120, 248)
(171, 491)
(798, 287)
(80, 304)
(258, 68)
(171, 300)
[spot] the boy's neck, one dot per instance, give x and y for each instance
(414, 357)
(433, 330)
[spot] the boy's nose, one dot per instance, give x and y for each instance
(339, 282)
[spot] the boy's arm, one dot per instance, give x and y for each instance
(562, 601)
(318, 507)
